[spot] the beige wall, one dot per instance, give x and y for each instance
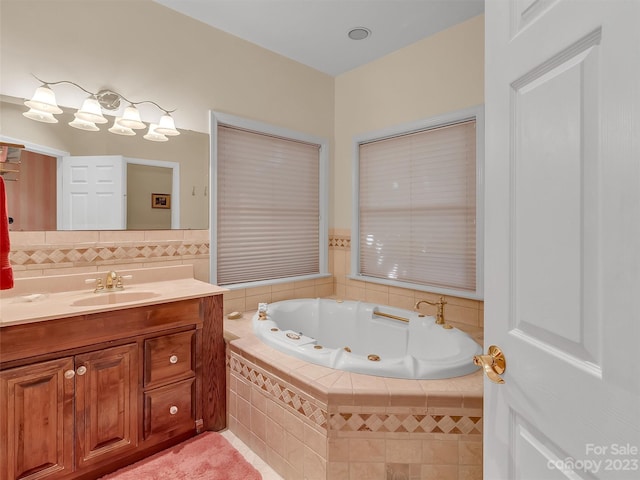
(146, 51)
(439, 74)
(142, 182)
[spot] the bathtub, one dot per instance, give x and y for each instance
(358, 337)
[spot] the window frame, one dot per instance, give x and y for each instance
(217, 118)
(473, 113)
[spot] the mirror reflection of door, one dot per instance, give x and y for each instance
(93, 193)
(35, 185)
(142, 182)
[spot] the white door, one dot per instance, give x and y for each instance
(93, 193)
(562, 293)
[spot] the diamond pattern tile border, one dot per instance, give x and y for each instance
(281, 392)
(89, 255)
(340, 242)
(351, 421)
(405, 423)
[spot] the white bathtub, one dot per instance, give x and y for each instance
(351, 336)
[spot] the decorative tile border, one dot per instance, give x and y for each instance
(353, 422)
(43, 255)
(86, 255)
(405, 423)
(279, 391)
(340, 241)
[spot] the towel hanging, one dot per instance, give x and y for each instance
(6, 272)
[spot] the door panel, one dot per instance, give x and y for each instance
(93, 193)
(562, 228)
(36, 423)
(106, 403)
(555, 215)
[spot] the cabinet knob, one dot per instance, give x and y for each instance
(173, 410)
(81, 370)
(173, 359)
(69, 374)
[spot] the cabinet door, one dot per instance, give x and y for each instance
(36, 421)
(106, 404)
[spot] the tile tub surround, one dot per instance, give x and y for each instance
(313, 422)
(35, 254)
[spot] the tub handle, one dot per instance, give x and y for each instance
(388, 315)
(494, 364)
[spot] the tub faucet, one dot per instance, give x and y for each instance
(440, 310)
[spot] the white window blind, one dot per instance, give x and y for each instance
(417, 207)
(268, 207)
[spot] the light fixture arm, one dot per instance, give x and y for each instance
(106, 97)
(43, 107)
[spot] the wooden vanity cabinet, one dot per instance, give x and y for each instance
(87, 402)
(79, 405)
(37, 420)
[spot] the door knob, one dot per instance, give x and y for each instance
(494, 364)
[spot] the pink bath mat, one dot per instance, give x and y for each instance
(208, 456)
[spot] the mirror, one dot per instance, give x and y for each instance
(45, 143)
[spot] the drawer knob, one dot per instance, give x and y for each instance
(69, 374)
(81, 370)
(173, 359)
(173, 410)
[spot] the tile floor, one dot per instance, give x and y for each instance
(265, 470)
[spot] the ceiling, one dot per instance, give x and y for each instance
(314, 32)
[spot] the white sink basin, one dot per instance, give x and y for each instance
(112, 298)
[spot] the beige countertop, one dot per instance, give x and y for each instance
(47, 298)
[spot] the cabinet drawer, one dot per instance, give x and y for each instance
(170, 410)
(169, 358)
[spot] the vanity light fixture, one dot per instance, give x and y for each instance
(120, 129)
(154, 135)
(85, 125)
(43, 107)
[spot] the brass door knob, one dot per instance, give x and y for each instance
(494, 364)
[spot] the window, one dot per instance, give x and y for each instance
(268, 212)
(418, 210)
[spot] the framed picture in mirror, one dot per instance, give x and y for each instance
(160, 200)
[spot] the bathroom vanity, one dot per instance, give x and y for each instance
(90, 382)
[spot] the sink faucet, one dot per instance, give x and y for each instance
(111, 280)
(440, 310)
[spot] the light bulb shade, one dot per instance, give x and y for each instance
(153, 135)
(40, 116)
(119, 129)
(131, 118)
(84, 125)
(166, 126)
(91, 111)
(44, 100)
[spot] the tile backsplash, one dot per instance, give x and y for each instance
(36, 254)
